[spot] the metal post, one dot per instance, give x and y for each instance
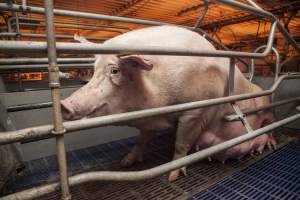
(55, 92)
(235, 107)
(231, 77)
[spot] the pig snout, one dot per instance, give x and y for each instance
(68, 109)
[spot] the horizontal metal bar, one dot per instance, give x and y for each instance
(32, 106)
(10, 61)
(233, 116)
(13, 46)
(248, 8)
(70, 27)
(22, 107)
(70, 126)
(148, 173)
(57, 12)
(45, 66)
(58, 36)
(77, 23)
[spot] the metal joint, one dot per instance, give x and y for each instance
(54, 132)
(54, 85)
(24, 9)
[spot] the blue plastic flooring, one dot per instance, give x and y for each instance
(275, 177)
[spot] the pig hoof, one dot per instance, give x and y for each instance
(175, 174)
(126, 162)
(209, 159)
(223, 162)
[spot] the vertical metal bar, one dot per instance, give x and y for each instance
(55, 92)
(24, 3)
(202, 14)
(235, 107)
(231, 77)
(20, 81)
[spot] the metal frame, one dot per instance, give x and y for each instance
(58, 129)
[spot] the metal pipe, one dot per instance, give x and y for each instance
(39, 10)
(54, 84)
(23, 107)
(277, 66)
(148, 173)
(45, 66)
(24, 3)
(202, 14)
(77, 23)
(234, 117)
(280, 27)
(14, 61)
(71, 27)
(70, 126)
(58, 36)
(13, 46)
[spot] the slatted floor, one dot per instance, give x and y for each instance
(200, 176)
(275, 177)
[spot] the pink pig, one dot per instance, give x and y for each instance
(136, 82)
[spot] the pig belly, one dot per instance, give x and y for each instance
(224, 131)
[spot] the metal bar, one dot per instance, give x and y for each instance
(58, 36)
(55, 93)
(277, 66)
(77, 14)
(77, 23)
(149, 173)
(231, 77)
(70, 126)
(235, 117)
(202, 14)
(280, 27)
(71, 27)
(23, 61)
(23, 107)
(13, 46)
(24, 3)
(45, 66)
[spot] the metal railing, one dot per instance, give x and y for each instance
(59, 128)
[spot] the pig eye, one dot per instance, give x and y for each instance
(114, 70)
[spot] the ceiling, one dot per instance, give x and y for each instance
(236, 29)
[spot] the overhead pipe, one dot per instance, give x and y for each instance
(45, 66)
(23, 61)
(78, 23)
(13, 46)
(58, 36)
(70, 27)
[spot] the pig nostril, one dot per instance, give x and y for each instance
(67, 112)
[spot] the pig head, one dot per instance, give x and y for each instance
(116, 86)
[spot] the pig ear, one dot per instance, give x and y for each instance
(82, 39)
(140, 61)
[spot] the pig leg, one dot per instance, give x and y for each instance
(186, 136)
(136, 153)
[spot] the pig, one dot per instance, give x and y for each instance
(123, 83)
